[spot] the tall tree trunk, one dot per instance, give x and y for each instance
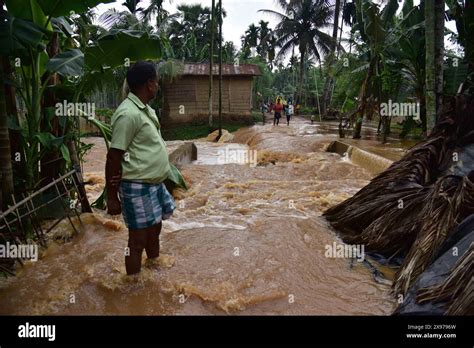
(430, 66)
(439, 55)
(434, 36)
(358, 115)
(220, 69)
(327, 91)
(211, 60)
(419, 92)
(6, 173)
(300, 87)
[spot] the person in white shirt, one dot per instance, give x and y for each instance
(289, 113)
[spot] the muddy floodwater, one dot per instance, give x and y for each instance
(245, 240)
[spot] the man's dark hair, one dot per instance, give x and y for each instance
(139, 73)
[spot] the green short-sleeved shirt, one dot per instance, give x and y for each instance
(136, 130)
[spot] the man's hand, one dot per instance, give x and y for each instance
(113, 177)
(114, 207)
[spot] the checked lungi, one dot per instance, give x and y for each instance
(145, 205)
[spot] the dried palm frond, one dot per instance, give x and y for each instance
(457, 290)
(449, 202)
(396, 229)
(399, 181)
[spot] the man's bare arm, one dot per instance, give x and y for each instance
(113, 174)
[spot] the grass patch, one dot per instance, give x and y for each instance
(188, 132)
(257, 116)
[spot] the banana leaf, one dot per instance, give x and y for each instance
(175, 179)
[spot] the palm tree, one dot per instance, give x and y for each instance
(251, 36)
(262, 38)
(263, 34)
(271, 47)
(330, 78)
(193, 20)
(300, 27)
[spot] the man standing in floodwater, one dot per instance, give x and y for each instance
(137, 164)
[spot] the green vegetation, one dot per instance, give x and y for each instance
(187, 132)
(104, 114)
(257, 117)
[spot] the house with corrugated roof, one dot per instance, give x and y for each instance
(186, 98)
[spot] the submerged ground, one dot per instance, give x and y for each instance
(244, 240)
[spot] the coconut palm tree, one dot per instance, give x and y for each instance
(330, 78)
(301, 26)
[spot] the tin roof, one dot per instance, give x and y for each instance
(227, 69)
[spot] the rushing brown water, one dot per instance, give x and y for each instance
(244, 240)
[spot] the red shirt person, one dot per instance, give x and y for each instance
(278, 107)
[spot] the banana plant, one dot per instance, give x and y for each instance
(27, 28)
(373, 26)
(27, 31)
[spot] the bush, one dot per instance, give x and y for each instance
(104, 114)
(257, 117)
(189, 132)
(309, 110)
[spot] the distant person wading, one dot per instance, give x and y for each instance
(278, 107)
(289, 113)
(137, 164)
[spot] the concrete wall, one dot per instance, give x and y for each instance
(183, 154)
(375, 164)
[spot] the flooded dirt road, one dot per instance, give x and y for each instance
(244, 240)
